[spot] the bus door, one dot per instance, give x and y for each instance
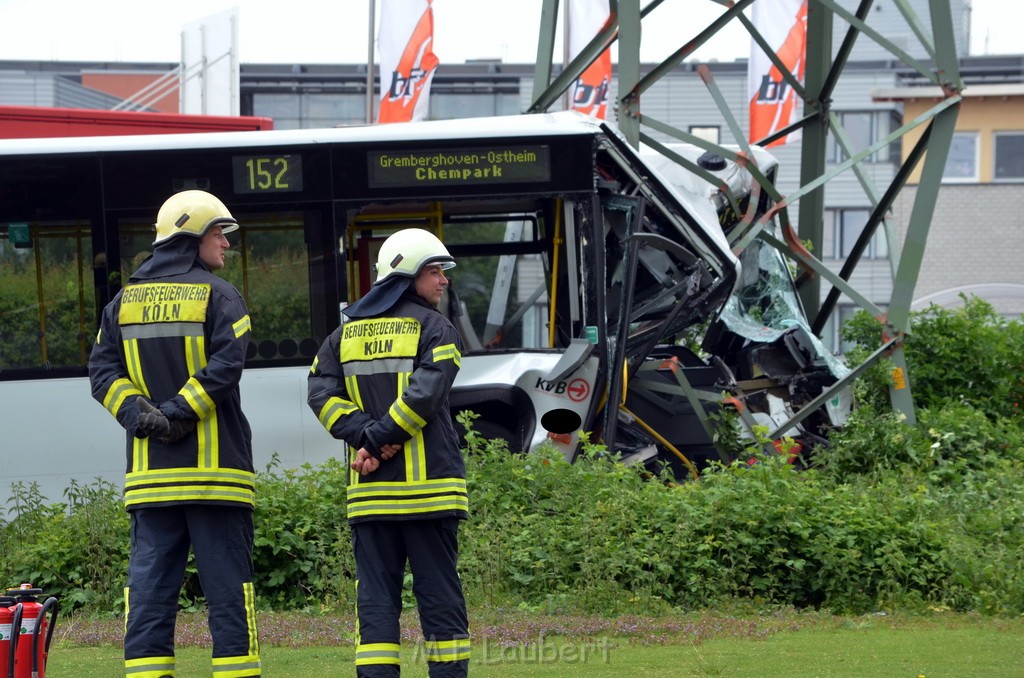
(513, 297)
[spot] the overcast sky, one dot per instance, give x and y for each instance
(336, 31)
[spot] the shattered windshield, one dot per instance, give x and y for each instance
(765, 305)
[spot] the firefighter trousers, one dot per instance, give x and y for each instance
(222, 539)
(431, 549)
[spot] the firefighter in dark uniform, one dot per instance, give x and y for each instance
(167, 363)
(380, 383)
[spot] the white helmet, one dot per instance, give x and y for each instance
(192, 213)
(406, 252)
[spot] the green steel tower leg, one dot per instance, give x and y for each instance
(814, 143)
(629, 70)
(545, 47)
(942, 128)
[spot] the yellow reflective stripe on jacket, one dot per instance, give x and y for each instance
(415, 458)
(413, 450)
(140, 454)
(206, 428)
(118, 392)
(140, 446)
(197, 397)
(134, 365)
(406, 417)
(191, 475)
(442, 494)
(194, 493)
(241, 326)
(334, 409)
(184, 484)
(378, 653)
(403, 489)
(352, 388)
(371, 368)
(149, 667)
(448, 352)
(408, 507)
(447, 650)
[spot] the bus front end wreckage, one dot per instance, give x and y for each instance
(608, 300)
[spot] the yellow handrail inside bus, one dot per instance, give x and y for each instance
(661, 439)
(556, 241)
(79, 253)
(42, 299)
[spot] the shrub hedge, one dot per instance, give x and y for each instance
(888, 517)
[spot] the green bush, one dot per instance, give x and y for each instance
(302, 552)
(969, 355)
(890, 516)
(76, 550)
(597, 536)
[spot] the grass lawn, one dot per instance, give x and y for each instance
(510, 644)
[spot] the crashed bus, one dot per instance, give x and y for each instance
(596, 291)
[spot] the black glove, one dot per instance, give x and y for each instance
(153, 422)
(178, 429)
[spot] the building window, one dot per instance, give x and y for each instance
(333, 110)
(311, 110)
(864, 128)
(962, 162)
(1009, 156)
(455, 105)
(842, 229)
(707, 133)
(284, 109)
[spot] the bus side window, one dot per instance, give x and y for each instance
(47, 310)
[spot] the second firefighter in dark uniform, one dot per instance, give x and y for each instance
(380, 382)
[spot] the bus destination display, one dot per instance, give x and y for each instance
(465, 166)
(267, 173)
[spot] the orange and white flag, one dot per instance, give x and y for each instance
(773, 103)
(407, 61)
(590, 91)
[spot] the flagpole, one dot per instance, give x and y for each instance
(566, 54)
(369, 66)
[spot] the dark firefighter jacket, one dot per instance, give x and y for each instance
(386, 379)
(180, 340)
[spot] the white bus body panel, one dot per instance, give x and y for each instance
(43, 418)
(530, 372)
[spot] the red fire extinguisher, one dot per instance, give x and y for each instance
(10, 627)
(36, 631)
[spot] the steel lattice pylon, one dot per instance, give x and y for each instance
(824, 68)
